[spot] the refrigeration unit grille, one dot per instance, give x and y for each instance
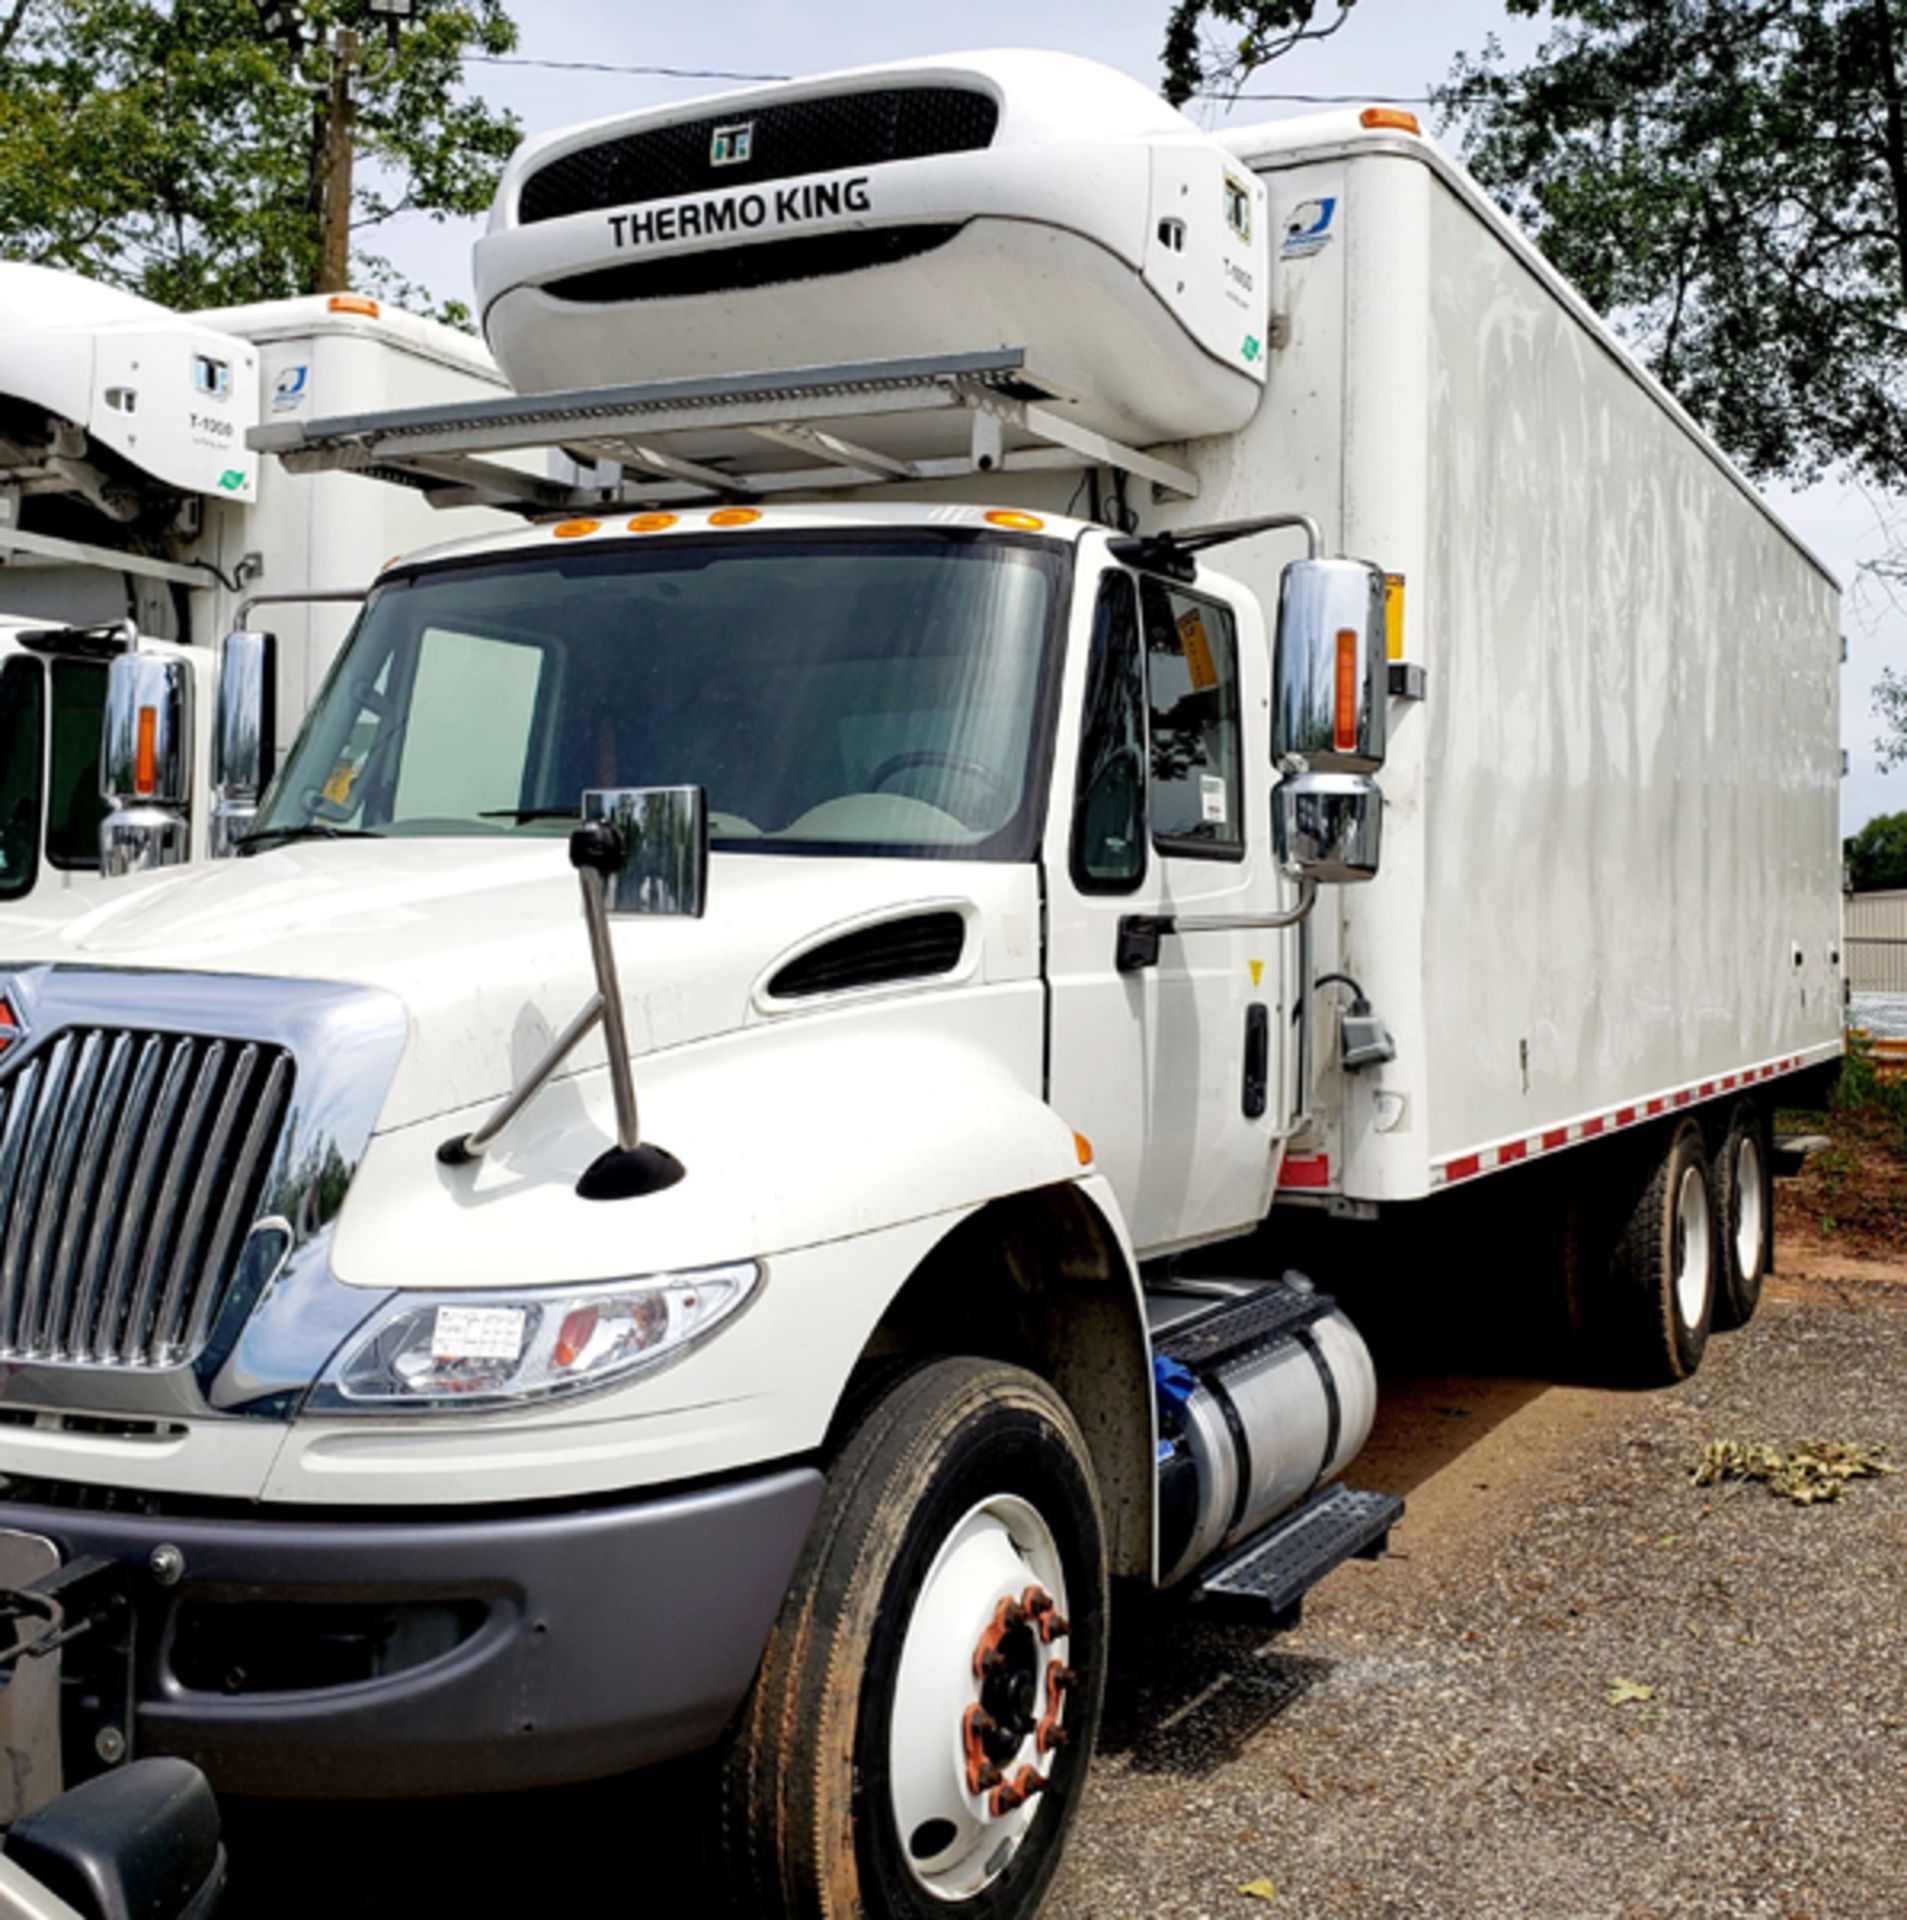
(131, 1170)
(745, 148)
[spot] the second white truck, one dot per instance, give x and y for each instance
(138, 525)
(1098, 705)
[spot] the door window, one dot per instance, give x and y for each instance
(1192, 682)
(21, 700)
(74, 804)
(1109, 823)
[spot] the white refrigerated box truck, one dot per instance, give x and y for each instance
(137, 525)
(1109, 695)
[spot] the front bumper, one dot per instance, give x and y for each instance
(379, 1657)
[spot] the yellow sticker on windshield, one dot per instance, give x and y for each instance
(1197, 649)
(337, 789)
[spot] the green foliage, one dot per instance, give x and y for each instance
(172, 147)
(1727, 179)
(1730, 177)
(1245, 34)
(1877, 855)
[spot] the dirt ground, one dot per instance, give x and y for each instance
(1437, 1739)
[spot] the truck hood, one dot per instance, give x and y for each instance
(482, 941)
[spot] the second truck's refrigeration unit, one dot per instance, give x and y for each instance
(1106, 693)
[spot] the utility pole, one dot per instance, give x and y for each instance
(335, 111)
(334, 256)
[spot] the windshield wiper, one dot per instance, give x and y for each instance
(521, 814)
(307, 830)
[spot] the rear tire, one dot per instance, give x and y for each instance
(1661, 1299)
(1744, 1214)
(965, 1485)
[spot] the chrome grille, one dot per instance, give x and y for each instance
(131, 1166)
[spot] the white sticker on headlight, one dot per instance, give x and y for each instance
(477, 1333)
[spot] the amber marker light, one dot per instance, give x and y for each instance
(652, 523)
(1017, 522)
(145, 768)
(1344, 729)
(576, 529)
(1084, 1148)
(359, 303)
(735, 517)
(1393, 117)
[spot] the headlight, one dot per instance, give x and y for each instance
(502, 1349)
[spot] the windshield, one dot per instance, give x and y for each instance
(871, 695)
(22, 698)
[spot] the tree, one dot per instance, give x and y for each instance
(1198, 60)
(1727, 179)
(1877, 855)
(177, 148)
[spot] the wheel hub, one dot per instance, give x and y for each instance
(980, 1698)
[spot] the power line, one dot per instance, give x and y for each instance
(609, 66)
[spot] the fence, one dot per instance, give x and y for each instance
(1877, 942)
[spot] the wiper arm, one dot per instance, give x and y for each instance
(307, 830)
(521, 814)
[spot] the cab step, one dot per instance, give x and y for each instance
(1265, 1580)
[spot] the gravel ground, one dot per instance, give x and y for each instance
(1436, 1739)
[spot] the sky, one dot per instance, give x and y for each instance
(1388, 47)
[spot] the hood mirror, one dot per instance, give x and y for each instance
(662, 842)
(641, 851)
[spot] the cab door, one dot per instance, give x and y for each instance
(1173, 1067)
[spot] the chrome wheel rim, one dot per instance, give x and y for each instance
(1750, 1223)
(1692, 1253)
(958, 1838)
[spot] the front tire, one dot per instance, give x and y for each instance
(1744, 1214)
(948, 1616)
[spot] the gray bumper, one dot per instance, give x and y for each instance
(379, 1657)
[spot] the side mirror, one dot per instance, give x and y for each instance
(663, 833)
(1330, 674)
(242, 743)
(146, 763)
(1329, 826)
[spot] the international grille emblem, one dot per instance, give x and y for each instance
(12, 1027)
(732, 146)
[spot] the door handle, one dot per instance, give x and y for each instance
(1257, 1060)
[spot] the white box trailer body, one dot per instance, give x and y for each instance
(1611, 881)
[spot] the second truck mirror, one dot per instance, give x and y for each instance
(146, 764)
(242, 744)
(1330, 673)
(664, 834)
(1328, 826)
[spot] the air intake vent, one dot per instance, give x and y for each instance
(916, 948)
(773, 263)
(130, 1173)
(779, 142)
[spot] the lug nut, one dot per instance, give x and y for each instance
(1030, 1783)
(1053, 1738)
(984, 1723)
(1039, 1601)
(1054, 1627)
(1014, 1614)
(989, 1776)
(1006, 1799)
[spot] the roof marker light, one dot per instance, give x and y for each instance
(735, 517)
(1019, 522)
(576, 529)
(360, 303)
(652, 523)
(1393, 117)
